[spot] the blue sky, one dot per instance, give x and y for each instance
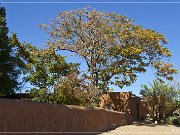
(164, 18)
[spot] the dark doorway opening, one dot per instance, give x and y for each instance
(137, 111)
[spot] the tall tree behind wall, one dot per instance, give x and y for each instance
(113, 47)
(9, 70)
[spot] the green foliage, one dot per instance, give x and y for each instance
(73, 90)
(69, 90)
(45, 67)
(114, 48)
(176, 86)
(10, 62)
(160, 99)
(40, 95)
(173, 120)
(59, 98)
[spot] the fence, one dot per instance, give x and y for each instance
(28, 116)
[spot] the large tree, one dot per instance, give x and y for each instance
(10, 63)
(114, 48)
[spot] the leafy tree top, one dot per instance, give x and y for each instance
(45, 67)
(114, 48)
(161, 99)
(10, 63)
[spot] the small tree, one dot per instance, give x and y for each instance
(73, 90)
(69, 90)
(160, 99)
(176, 86)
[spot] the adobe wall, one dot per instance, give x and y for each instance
(28, 116)
(138, 110)
(125, 102)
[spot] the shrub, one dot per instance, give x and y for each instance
(160, 98)
(173, 120)
(70, 90)
(73, 91)
(40, 95)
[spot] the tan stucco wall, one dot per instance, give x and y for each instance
(28, 116)
(125, 102)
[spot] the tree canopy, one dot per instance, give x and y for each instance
(161, 99)
(113, 47)
(45, 67)
(10, 62)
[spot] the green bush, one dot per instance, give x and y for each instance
(40, 95)
(69, 90)
(72, 90)
(174, 120)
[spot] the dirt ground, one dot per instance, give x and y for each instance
(145, 130)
